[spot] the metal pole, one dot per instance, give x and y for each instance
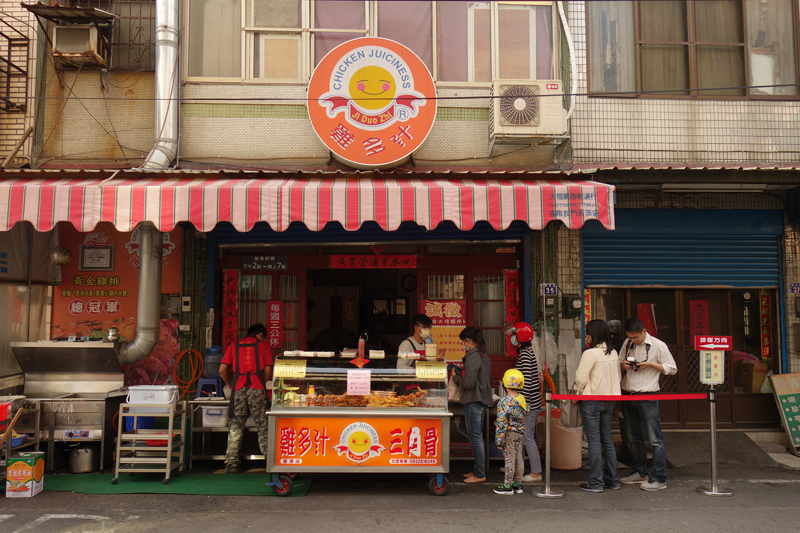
(546, 491)
(713, 490)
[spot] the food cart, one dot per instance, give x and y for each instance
(330, 415)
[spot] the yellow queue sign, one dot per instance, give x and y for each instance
(431, 370)
(290, 368)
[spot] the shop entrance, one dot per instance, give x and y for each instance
(329, 296)
(677, 315)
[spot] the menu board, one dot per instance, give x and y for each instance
(786, 388)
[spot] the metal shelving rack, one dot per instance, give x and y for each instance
(201, 433)
(8, 450)
(135, 455)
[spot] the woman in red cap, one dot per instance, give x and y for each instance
(521, 335)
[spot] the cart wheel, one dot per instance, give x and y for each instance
(165, 481)
(285, 486)
(439, 490)
(115, 481)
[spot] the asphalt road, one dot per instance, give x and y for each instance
(766, 498)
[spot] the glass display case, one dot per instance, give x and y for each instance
(303, 383)
(329, 415)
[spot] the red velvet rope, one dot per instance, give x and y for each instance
(631, 397)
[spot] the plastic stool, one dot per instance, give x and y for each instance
(211, 387)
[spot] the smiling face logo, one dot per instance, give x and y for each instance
(370, 83)
(371, 102)
(359, 442)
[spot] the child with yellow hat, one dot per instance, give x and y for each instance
(508, 430)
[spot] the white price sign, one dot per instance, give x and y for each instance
(358, 382)
(712, 367)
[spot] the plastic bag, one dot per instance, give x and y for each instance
(571, 414)
(453, 390)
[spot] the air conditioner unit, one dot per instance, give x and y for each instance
(526, 109)
(78, 45)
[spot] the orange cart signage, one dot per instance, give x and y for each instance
(368, 442)
(368, 101)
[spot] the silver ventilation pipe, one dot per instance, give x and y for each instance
(148, 312)
(167, 77)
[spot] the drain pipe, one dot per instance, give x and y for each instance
(148, 312)
(167, 77)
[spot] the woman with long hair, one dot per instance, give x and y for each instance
(599, 374)
(476, 396)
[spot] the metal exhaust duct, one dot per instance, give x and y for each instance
(148, 311)
(167, 86)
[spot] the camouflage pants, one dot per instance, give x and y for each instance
(246, 401)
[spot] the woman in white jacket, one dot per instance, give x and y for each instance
(599, 374)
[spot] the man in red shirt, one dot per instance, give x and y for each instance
(245, 368)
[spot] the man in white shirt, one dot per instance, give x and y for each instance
(416, 342)
(649, 358)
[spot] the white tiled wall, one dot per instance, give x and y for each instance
(661, 130)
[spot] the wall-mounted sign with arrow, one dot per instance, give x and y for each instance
(708, 342)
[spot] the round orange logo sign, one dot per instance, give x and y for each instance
(368, 102)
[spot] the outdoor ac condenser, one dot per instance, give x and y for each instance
(526, 108)
(78, 45)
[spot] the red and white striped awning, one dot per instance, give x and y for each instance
(314, 200)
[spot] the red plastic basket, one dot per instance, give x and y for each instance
(153, 442)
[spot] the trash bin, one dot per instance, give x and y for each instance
(565, 443)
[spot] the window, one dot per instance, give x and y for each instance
(133, 39)
(693, 48)
(283, 40)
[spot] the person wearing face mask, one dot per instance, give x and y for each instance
(476, 385)
(416, 342)
(521, 336)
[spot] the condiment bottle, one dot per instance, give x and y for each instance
(361, 347)
(311, 390)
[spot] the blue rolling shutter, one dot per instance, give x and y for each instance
(685, 247)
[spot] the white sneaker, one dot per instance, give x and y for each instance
(654, 486)
(633, 479)
(532, 478)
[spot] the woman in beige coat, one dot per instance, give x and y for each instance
(599, 374)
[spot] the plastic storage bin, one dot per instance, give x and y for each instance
(215, 417)
(155, 394)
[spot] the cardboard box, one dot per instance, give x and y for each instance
(25, 475)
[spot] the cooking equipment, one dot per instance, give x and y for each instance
(77, 386)
(84, 460)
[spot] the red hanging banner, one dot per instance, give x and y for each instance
(647, 314)
(698, 318)
(512, 305)
(275, 323)
(230, 307)
(765, 311)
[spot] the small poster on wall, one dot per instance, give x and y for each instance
(449, 318)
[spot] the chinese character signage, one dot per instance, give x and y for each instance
(710, 342)
(368, 102)
(346, 442)
(358, 382)
(587, 307)
(230, 307)
(512, 305)
(274, 324)
(265, 262)
(698, 317)
(712, 367)
(374, 261)
(765, 323)
(449, 318)
(90, 300)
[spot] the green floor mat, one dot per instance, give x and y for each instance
(201, 484)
